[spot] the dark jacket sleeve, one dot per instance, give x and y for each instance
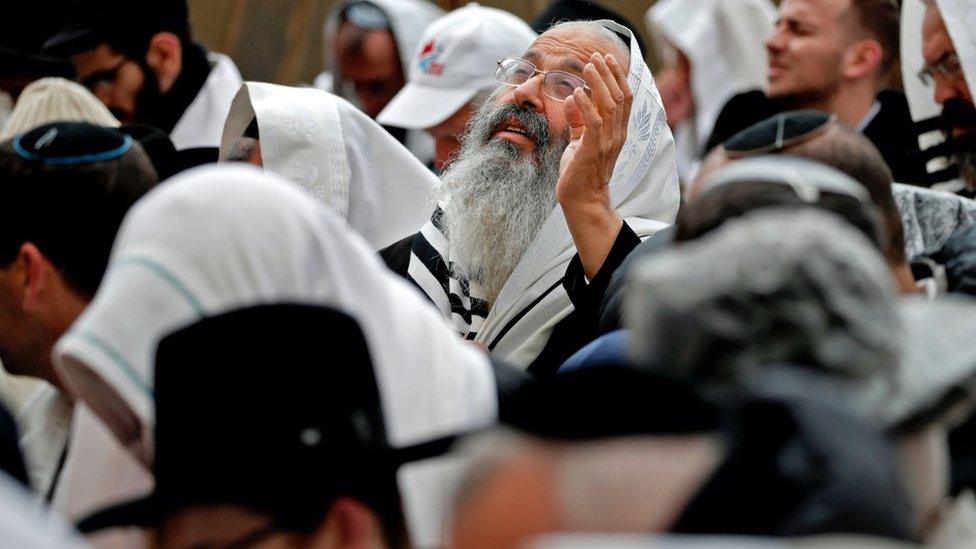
(580, 327)
(611, 309)
(397, 255)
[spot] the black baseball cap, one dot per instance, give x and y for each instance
(275, 408)
(121, 22)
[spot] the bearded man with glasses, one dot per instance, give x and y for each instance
(949, 50)
(560, 173)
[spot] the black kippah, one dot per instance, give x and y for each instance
(71, 144)
(778, 132)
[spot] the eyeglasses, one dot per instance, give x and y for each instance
(557, 85)
(948, 65)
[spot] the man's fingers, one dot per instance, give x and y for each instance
(603, 66)
(592, 121)
(601, 94)
(574, 116)
(620, 77)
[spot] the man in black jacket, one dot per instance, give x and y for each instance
(139, 59)
(834, 56)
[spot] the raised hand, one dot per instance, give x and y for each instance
(598, 129)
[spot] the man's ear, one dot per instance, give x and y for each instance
(350, 524)
(31, 271)
(862, 59)
(165, 57)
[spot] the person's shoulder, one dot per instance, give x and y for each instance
(397, 255)
(894, 111)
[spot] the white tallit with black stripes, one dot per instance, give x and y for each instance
(643, 189)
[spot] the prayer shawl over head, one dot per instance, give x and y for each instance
(221, 238)
(408, 19)
(930, 217)
(338, 154)
(723, 41)
(644, 191)
(960, 20)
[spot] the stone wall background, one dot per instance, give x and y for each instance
(281, 40)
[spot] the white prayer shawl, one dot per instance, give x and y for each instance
(960, 18)
(408, 19)
(221, 238)
(724, 43)
(26, 524)
(930, 217)
(644, 191)
(337, 153)
(201, 124)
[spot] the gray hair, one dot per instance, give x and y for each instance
(242, 150)
(603, 33)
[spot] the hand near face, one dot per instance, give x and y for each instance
(598, 129)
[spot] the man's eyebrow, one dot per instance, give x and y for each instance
(567, 64)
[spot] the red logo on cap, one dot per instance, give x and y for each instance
(428, 59)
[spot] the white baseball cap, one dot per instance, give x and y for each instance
(455, 61)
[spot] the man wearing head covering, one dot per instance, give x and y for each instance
(312, 464)
(66, 188)
(560, 173)
(228, 237)
(618, 449)
(714, 51)
(834, 56)
(949, 54)
(809, 134)
(447, 81)
(335, 152)
(369, 46)
(24, 28)
(139, 59)
(55, 99)
(817, 313)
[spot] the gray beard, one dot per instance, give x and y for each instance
(966, 162)
(496, 198)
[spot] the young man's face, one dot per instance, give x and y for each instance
(806, 48)
(116, 80)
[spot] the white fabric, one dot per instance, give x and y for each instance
(724, 43)
(55, 100)
(220, 238)
(930, 217)
(44, 422)
(957, 525)
(338, 154)
(408, 18)
(454, 61)
(960, 20)
(201, 124)
(644, 191)
(24, 525)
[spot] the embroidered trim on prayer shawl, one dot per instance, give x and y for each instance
(643, 189)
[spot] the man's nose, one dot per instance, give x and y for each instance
(528, 94)
(944, 89)
(775, 42)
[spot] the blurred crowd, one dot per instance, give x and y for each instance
(490, 283)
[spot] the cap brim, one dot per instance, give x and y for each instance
(420, 107)
(18, 64)
(146, 511)
(72, 40)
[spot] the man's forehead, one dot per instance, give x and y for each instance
(822, 11)
(563, 49)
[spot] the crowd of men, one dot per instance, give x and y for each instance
(489, 283)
